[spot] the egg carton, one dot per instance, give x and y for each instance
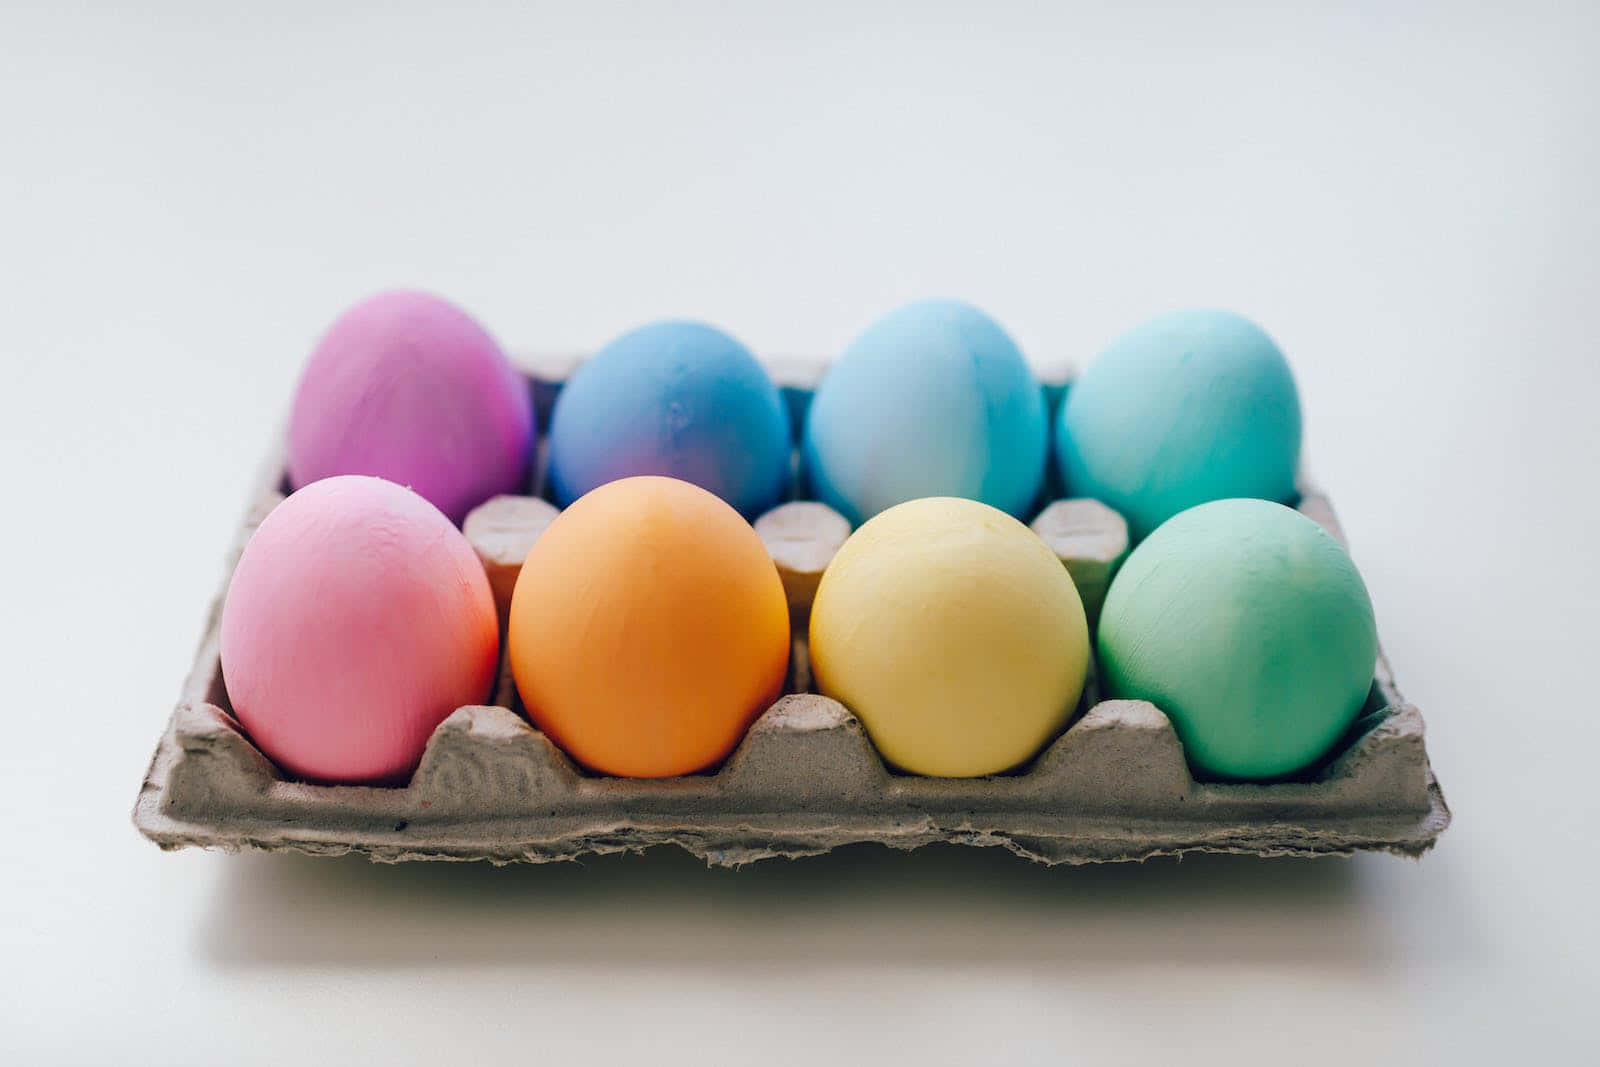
(1114, 785)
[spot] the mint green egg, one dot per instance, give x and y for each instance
(1250, 627)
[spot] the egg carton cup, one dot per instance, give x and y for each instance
(1114, 785)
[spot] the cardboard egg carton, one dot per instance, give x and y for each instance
(806, 778)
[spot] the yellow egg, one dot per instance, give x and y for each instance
(954, 634)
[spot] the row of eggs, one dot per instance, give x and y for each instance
(648, 627)
(933, 399)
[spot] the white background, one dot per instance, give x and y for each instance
(1405, 196)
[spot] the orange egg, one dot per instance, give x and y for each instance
(648, 629)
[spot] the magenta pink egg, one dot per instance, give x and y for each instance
(408, 387)
(357, 620)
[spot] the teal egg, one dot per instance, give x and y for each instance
(933, 399)
(1189, 407)
(1250, 627)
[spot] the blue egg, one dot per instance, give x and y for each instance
(1190, 407)
(679, 399)
(934, 399)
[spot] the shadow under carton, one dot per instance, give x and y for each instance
(805, 779)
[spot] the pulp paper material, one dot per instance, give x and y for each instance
(1113, 786)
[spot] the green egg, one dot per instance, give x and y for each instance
(1250, 627)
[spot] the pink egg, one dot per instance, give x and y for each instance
(357, 620)
(408, 387)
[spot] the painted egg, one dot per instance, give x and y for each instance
(954, 634)
(648, 629)
(934, 399)
(1189, 407)
(407, 387)
(1248, 625)
(357, 620)
(677, 399)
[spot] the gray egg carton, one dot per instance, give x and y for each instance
(806, 778)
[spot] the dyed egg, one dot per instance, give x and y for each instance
(934, 399)
(357, 619)
(648, 629)
(954, 634)
(1250, 627)
(678, 399)
(1189, 407)
(408, 387)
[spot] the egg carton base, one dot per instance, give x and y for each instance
(1114, 787)
(738, 854)
(732, 849)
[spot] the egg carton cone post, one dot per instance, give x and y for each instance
(1113, 786)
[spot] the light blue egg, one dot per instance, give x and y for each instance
(934, 399)
(679, 399)
(1190, 407)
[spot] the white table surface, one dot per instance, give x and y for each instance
(1404, 196)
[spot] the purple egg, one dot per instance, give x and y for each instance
(408, 387)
